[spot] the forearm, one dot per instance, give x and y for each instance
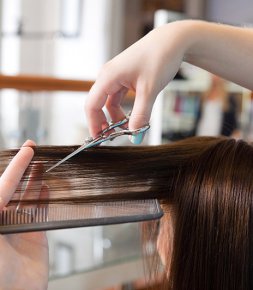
(221, 49)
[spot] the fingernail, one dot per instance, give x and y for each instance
(137, 138)
(28, 143)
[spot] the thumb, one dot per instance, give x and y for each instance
(12, 175)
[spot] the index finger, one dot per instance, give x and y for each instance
(13, 173)
(96, 101)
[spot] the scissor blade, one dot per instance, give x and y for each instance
(81, 148)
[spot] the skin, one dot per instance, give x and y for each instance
(165, 237)
(150, 64)
(24, 257)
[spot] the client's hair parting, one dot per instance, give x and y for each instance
(205, 186)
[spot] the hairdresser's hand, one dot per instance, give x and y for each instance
(145, 67)
(148, 65)
(24, 257)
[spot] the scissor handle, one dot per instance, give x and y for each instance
(114, 135)
(116, 125)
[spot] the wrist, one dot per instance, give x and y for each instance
(191, 33)
(183, 35)
(206, 42)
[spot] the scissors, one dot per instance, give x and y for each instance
(104, 136)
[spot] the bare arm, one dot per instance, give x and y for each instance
(151, 63)
(223, 50)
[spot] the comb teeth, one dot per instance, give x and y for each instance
(58, 216)
(23, 216)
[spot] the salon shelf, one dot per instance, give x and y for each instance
(40, 83)
(43, 83)
(166, 120)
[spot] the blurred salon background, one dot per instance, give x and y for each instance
(51, 52)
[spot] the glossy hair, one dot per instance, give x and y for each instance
(205, 186)
(212, 240)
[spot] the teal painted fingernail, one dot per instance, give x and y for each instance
(137, 138)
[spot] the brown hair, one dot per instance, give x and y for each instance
(205, 184)
(212, 244)
(108, 172)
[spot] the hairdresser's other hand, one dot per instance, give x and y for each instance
(148, 65)
(24, 257)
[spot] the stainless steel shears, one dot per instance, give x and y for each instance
(103, 136)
